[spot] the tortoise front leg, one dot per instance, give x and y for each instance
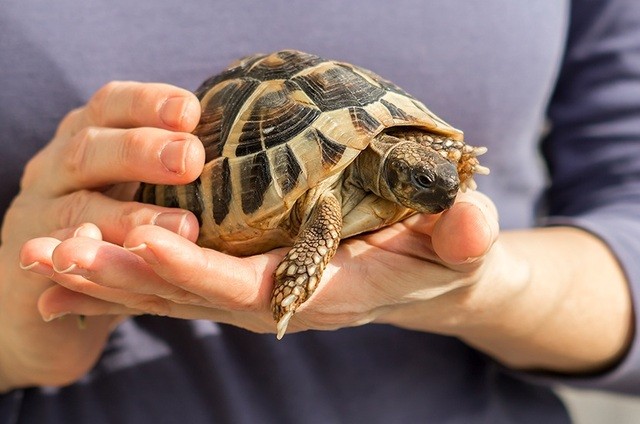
(298, 274)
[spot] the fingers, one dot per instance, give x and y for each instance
(160, 271)
(116, 218)
(112, 266)
(122, 104)
(466, 232)
(84, 230)
(227, 282)
(127, 132)
(457, 236)
(173, 277)
(35, 254)
(97, 157)
(71, 263)
(58, 301)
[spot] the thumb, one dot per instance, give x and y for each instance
(466, 232)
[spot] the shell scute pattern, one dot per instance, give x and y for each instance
(287, 169)
(279, 113)
(275, 126)
(220, 105)
(334, 86)
(280, 132)
(282, 65)
(220, 190)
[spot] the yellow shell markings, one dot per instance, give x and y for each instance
(295, 169)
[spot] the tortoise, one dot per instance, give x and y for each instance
(302, 151)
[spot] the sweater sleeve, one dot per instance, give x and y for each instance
(593, 149)
(10, 406)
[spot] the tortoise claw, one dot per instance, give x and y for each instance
(282, 325)
(284, 309)
(481, 170)
(299, 273)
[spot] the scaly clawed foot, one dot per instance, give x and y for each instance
(299, 273)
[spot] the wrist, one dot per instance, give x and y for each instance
(13, 366)
(34, 352)
(480, 302)
(7, 382)
(573, 314)
(493, 305)
(548, 298)
(16, 350)
(505, 309)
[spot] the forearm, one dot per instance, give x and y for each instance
(18, 341)
(34, 352)
(7, 379)
(574, 313)
(26, 348)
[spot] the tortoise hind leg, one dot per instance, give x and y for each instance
(298, 274)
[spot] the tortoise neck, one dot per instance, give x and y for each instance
(368, 167)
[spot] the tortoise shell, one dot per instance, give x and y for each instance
(276, 126)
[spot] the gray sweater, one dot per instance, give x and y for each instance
(501, 70)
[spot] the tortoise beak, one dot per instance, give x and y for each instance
(439, 198)
(434, 201)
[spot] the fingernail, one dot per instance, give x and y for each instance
(76, 233)
(56, 315)
(471, 260)
(173, 156)
(72, 269)
(174, 110)
(172, 221)
(486, 225)
(86, 230)
(38, 268)
(144, 252)
(67, 270)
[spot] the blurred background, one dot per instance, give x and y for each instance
(588, 407)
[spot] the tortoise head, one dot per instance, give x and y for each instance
(419, 177)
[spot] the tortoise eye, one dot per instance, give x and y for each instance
(424, 180)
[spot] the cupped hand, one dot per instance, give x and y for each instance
(126, 132)
(423, 273)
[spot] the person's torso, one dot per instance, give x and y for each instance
(487, 68)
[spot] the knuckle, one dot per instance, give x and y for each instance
(245, 298)
(76, 156)
(250, 299)
(71, 122)
(98, 102)
(184, 297)
(247, 302)
(74, 208)
(32, 171)
(151, 305)
(145, 94)
(132, 214)
(191, 275)
(144, 99)
(129, 152)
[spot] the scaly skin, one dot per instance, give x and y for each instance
(299, 273)
(405, 171)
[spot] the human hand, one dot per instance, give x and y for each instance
(415, 274)
(126, 132)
